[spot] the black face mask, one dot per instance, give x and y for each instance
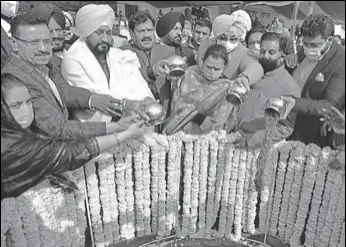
(268, 64)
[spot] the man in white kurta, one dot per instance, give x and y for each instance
(92, 63)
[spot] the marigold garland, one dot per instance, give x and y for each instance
(195, 188)
(121, 192)
(171, 186)
(227, 203)
(129, 194)
(247, 181)
(284, 151)
(203, 174)
(211, 185)
(306, 192)
(103, 164)
(339, 216)
(316, 200)
(328, 187)
(239, 196)
(146, 188)
(188, 165)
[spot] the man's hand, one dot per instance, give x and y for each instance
(242, 140)
(290, 104)
(124, 122)
(242, 82)
(292, 60)
(137, 107)
(106, 104)
(161, 68)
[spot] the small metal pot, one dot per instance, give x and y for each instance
(177, 66)
(156, 113)
(276, 105)
(237, 95)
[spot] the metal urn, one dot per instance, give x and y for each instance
(156, 113)
(237, 95)
(276, 105)
(177, 66)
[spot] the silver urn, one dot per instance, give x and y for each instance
(237, 95)
(177, 66)
(156, 113)
(276, 105)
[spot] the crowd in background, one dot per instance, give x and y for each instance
(72, 88)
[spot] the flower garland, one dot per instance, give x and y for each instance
(195, 188)
(178, 181)
(171, 186)
(266, 192)
(301, 149)
(203, 175)
(306, 193)
(154, 184)
(247, 181)
(252, 201)
(188, 165)
(219, 178)
(130, 201)
(162, 185)
(229, 192)
(138, 170)
(104, 162)
(280, 180)
(6, 213)
(71, 206)
(316, 201)
(121, 192)
(211, 185)
(342, 237)
(339, 217)
(94, 203)
(239, 195)
(146, 188)
(226, 212)
(287, 192)
(328, 187)
(17, 236)
(330, 214)
(29, 219)
(113, 202)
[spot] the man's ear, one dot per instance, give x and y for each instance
(13, 43)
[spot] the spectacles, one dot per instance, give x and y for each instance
(36, 43)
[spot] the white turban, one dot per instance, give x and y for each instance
(90, 17)
(239, 21)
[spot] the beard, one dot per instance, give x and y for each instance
(58, 45)
(102, 48)
(173, 41)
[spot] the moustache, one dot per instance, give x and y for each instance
(104, 43)
(146, 39)
(58, 39)
(41, 54)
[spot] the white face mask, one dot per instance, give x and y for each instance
(9, 8)
(229, 46)
(314, 54)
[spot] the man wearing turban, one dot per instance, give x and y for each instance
(92, 63)
(169, 28)
(228, 30)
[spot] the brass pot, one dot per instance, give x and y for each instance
(177, 66)
(156, 113)
(276, 105)
(237, 95)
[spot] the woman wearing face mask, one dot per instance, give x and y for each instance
(320, 72)
(27, 159)
(201, 83)
(228, 30)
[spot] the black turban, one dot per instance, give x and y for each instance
(167, 22)
(47, 10)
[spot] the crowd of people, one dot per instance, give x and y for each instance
(73, 88)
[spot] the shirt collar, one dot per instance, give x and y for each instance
(276, 71)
